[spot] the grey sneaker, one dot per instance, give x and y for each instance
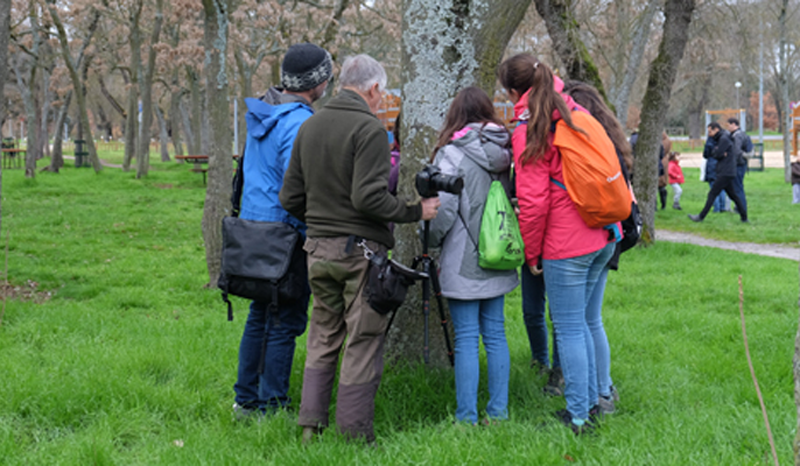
(555, 383)
(240, 413)
(606, 403)
(540, 369)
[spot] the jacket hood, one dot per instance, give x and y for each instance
(262, 117)
(486, 145)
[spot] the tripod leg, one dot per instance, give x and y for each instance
(426, 311)
(437, 290)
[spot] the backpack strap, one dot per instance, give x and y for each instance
(238, 185)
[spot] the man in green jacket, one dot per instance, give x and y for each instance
(337, 183)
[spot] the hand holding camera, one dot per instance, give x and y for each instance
(430, 206)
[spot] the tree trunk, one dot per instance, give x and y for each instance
(133, 128)
(784, 89)
(57, 157)
(187, 128)
(175, 114)
(163, 137)
(5, 19)
(640, 38)
(146, 84)
(196, 113)
(446, 45)
(26, 90)
(564, 32)
(678, 16)
(47, 97)
(220, 167)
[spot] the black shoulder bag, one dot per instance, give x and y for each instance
(262, 261)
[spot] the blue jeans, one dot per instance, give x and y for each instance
(739, 186)
(271, 335)
(721, 200)
(533, 305)
(602, 352)
(470, 319)
(571, 285)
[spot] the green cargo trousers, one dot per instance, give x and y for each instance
(341, 312)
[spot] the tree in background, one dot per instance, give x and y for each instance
(663, 70)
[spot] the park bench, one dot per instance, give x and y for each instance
(197, 163)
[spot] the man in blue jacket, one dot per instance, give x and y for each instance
(268, 343)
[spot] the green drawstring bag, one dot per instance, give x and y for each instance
(500, 244)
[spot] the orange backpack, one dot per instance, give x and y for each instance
(592, 172)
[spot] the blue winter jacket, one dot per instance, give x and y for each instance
(271, 130)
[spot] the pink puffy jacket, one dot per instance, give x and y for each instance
(549, 221)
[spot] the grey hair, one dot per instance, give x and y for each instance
(361, 72)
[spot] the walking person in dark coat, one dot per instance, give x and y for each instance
(726, 153)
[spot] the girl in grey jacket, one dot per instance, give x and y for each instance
(474, 145)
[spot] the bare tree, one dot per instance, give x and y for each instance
(678, 17)
(5, 18)
(80, 96)
(132, 122)
(447, 44)
(564, 31)
(146, 89)
(220, 167)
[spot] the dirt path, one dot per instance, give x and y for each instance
(771, 250)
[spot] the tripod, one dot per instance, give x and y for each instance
(429, 268)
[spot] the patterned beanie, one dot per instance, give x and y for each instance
(305, 67)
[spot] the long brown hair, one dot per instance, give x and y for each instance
(520, 73)
(471, 105)
(587, 96)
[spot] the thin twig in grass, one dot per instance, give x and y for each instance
(753, 373)
(5, 279)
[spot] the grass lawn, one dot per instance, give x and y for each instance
(112, 352)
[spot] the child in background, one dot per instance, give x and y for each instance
(675, 179)
(796, 181)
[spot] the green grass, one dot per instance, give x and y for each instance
(769, 207)
(131, 357)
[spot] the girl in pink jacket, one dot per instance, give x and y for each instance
(558, 242)
(675, 179)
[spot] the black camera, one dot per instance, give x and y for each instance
(431, 180)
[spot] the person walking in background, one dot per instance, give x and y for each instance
(796, 182)
(742, 141)
(721, 201)
(337, 182)
(557, 240)
(726, 154)
(268, 342)
(472, 144)
(675, 179)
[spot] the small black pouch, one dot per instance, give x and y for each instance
(387, 281)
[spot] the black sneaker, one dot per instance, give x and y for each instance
(565, 417)
(555, 383)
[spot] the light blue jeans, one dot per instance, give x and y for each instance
(472, 319)
(571, 286)
(602, 351)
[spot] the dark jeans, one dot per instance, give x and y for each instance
(533, 305)
(728, 184)
(740, 172)
(270, 335)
